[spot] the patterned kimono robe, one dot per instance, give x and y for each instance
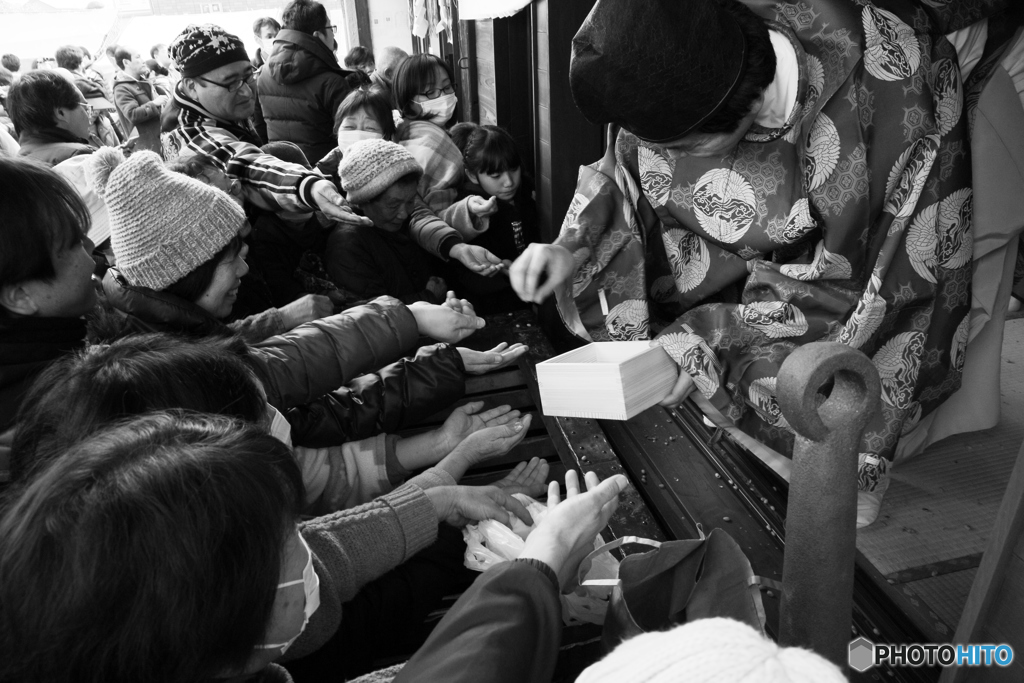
(850, 223)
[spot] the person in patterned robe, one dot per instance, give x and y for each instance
(809, 180)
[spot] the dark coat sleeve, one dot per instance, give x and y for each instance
(390, 399)
(320, 356)
(506, 627)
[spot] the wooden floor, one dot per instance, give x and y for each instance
(950, 492)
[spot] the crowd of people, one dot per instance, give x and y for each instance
(227, 282)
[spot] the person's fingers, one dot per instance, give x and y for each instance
(609, 489)
(534, 270)
(680, 390)
(554, 494)
(517, 472)
(515, 507)
(500, 347)
(510, 416)
(591, 480)
(488, 415)
(471, 408)
(517, 274)
(572, 484)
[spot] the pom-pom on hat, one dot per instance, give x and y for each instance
(658, 68)
(163, 225)
(201, 49)
(710, 651)
(372, 166)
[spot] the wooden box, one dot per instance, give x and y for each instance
(606, 380)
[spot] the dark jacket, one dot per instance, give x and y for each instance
(506, 628)
(27, 346)
(509, 232)
(307, 369)
(300, 87)
(134, 101)
(372, 262)
(52, 145)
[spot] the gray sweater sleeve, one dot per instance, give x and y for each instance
(353, 547)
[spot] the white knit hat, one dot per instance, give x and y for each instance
(372, 166)
(710, 651)
(163, 225)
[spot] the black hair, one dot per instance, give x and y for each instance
(305, 16)
(110, 50)
(486, 149)
(758, 71)
(11, 61)
(257, 26)
(156, 48)
(33, 99)
(358, 56)
(40, 215)
(85, 52)
(6, 78)
(413, 76)
(122, 55)
(375, 101)
(69, 57)
(194, 285)
(149, 552)
(81, 393)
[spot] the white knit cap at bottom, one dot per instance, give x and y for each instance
(710, 651)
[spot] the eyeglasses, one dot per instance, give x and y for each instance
(333, 27)
(235, 85)
(437, 92)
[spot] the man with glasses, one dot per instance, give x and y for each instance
(302, 83)
(51, 117)
(216, 97)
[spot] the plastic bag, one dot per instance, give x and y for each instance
(489, 543)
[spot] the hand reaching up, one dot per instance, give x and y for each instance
(566, 535)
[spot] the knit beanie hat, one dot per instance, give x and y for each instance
(200, 49)
(372, 166)
(710, 651)
(163, 225)
(658, 68)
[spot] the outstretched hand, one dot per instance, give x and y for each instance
(540, 270)
(566, 534)
(476, 258)
(462, 505)
(480, 362)
(334, 206)
(443, 323)
(468, 419)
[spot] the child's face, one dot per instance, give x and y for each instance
(502, 185)
(219, 298)
(70, 294)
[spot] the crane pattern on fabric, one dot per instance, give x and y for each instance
(852, 225)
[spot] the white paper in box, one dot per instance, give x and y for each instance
(606, 380)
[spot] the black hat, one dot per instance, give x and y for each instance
(658, 68)
(201, 49)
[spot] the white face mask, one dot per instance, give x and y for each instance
(280, 428)
(441, 109)
(347, 138)
(311, 584)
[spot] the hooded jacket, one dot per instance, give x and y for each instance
(314, 373)
(301, 86)
(135, 105)
(52, 145)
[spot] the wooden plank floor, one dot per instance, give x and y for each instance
(939, 510)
